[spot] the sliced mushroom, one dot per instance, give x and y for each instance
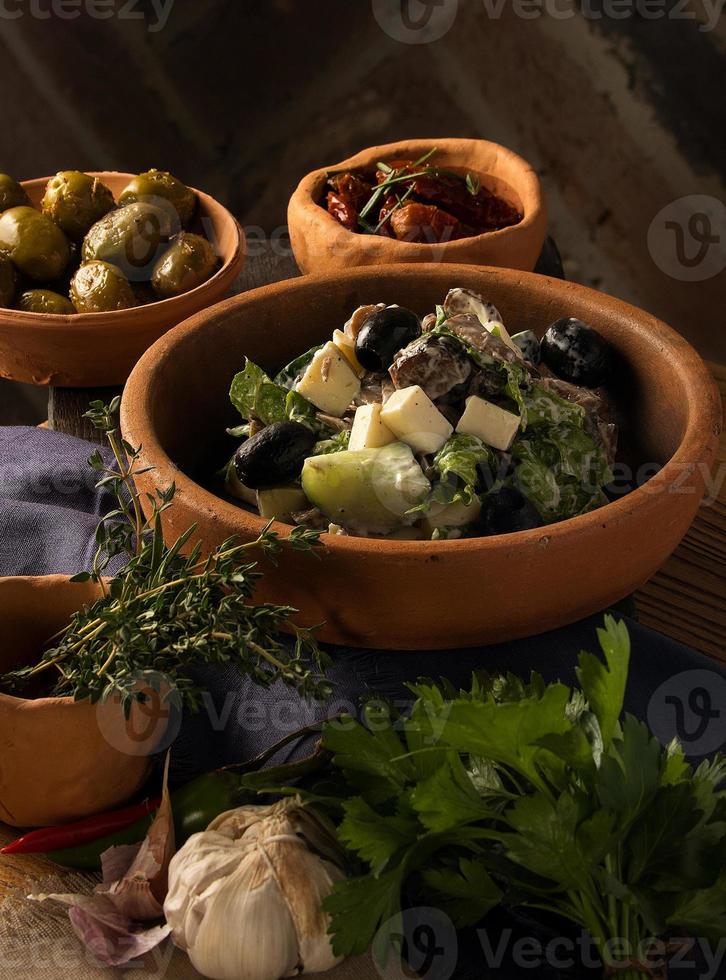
(465, 301)
(435, 362)
(355, 322)
(471, 331)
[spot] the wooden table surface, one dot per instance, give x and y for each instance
(686, 599)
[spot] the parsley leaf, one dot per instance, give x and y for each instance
(526, 794)
(373, 837)
(358, 908)
(465, 892)
(507, 732)
(448, 798)
(702, 913)
(604, 685)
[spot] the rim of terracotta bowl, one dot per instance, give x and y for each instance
(222, 277)
(528, 190)
(703, 428)
(86, 592)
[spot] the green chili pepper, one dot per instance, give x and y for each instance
(194, 806)
(198, 802)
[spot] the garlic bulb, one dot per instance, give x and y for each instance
(245, 895)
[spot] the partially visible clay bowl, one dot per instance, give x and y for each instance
(322, 244)
(57, 761)
(434, 594)
(99, 349)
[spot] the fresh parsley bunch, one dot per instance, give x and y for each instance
(527, 795)
(169, 609)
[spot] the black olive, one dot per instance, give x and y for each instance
(529, 345)
(577, 353)
(505, 511)
(383, 334)
(274, 456)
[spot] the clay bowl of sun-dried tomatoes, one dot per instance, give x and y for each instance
(436, 200)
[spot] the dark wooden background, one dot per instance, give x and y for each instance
(241, 97)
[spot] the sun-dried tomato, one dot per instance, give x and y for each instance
(424, 223)
(440, 205)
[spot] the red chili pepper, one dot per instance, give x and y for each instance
(80, 832)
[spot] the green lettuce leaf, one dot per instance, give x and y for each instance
(245, 386)
(335, 444)
(561, 468)
(456, 472)
(254, 395)
(458, 462)
(292, 371)
(299, 409)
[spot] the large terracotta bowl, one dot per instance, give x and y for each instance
(397, 594)
(60, 760)
(322, 244)
(99, 349)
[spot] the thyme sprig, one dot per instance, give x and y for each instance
(166, 613)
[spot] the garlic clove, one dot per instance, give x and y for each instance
(205, 861)
(247, 932)
(306, 882)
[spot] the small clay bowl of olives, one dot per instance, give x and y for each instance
(424, 594)
(95, 267)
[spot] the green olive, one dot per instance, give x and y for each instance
(44, 301)
(144, 293)
(75, 201)
(189, 261)
(8, 282)
(132, 238)
(38, 247)
(12, 194)
(98, 287)
(62, 283)
(156, 186)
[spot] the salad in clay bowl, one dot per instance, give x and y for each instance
(444, 427)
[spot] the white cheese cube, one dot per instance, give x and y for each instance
(414, 419)
(451, 515)
(492, 424)
(347, 348)
(368, 431)
(281, 502)
(329, 381)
